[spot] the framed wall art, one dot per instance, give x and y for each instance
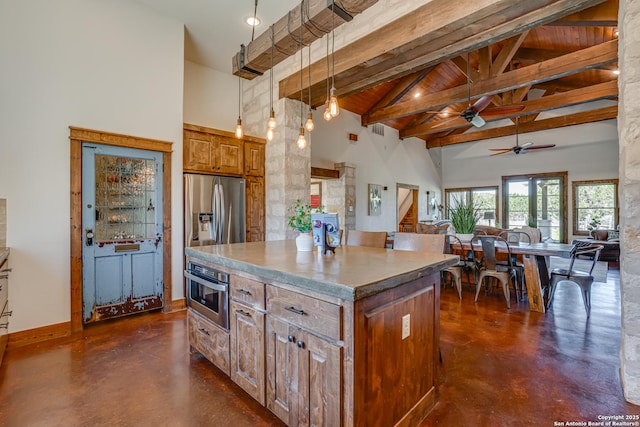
(375, 199)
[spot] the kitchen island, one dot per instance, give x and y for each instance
(344, 339)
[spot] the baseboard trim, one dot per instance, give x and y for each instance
(178, 304)
(43, 333)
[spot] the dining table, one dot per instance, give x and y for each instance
(535, 258)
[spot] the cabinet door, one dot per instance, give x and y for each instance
(247, 349)
(228, 157)
(199, 152)
(255, 208)
(281, 367)
(319, 382)
(208, 340)
(254, 158)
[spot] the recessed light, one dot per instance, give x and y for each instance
(616, 32)
(616, 72)
(416, 95)
(253, 22)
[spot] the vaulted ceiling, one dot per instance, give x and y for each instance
(419, 72)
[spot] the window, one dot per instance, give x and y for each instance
(537, 200)
(595, 205)
(483, 198)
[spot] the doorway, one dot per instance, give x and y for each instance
(407, 207)
(122, 226)
(77, 137)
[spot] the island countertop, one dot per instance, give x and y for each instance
(352, 273)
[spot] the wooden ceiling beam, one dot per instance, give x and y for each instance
(564, 99)
(402, 88)
(255, 59)
(550, 123)
(507, 52)
(548, 70)
(434, 32)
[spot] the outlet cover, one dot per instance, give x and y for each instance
(406, 326)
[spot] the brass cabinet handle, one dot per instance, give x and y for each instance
(4, 325)
(7, 313)
(244, 313)
(204, 331)
(295, 310)
(244, 291)
(6, 270)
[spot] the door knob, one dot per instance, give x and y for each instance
(88, 233)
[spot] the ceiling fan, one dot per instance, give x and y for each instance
(520, 149)
(472, 113)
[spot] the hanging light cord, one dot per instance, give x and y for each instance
(253, 27)
(271, 70)
(333, 45)
(301, 54)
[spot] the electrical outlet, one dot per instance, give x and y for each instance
(406, 326)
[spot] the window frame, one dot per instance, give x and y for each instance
(469, 198)
(592, 182)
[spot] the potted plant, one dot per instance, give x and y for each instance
(300, 220)
(464, 217)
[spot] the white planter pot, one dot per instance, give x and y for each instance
(304, 242)
(464, 237)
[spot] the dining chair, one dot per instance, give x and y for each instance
(515, 237)
(437, 243)
(490, 268)
(584, 279)
(373, 239)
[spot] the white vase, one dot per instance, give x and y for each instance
(304, 242)
(464, 237)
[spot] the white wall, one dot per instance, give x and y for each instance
(586, 152)
(384, 160)
(210, 97)
(107, 65)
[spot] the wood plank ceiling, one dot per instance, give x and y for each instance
(536, 55)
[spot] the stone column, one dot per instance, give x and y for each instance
(629, 191)
(287, 170)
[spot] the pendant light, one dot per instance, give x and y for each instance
(239, 131)
(327, 111)
(309, 124)
(302, 142)
(271, 124)
(334, 109)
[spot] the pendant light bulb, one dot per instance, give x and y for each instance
(239, 132)
(302, 142)
(333, 103)
(272, 120)
(327, 112)
(309, 124)
(269, 134)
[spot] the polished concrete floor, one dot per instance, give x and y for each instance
(500, 368)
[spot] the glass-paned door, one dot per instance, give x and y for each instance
(536, 201)
(122, 224)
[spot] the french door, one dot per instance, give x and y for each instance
(539, 201)
(122, 231)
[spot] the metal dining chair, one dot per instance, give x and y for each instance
(515, 237)
(491, 268)
(583, 279)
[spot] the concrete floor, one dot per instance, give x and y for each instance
(500, 368)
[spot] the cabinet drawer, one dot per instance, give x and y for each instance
(310, 313)
(248, 291)
(209, 340)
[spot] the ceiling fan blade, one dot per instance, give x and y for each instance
(498, 111)
(482, 103)
(504, 151)
(539, 147)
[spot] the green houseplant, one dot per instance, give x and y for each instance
(300, 220)
(464, 217)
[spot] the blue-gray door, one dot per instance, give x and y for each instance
(122, 231)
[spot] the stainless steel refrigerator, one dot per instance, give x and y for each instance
(214, 210)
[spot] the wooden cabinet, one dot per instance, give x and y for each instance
(254, 153)
(303, 370)
(209, 340)
(247, 336)
(211, 153)
(4, 304)
(255, 204)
